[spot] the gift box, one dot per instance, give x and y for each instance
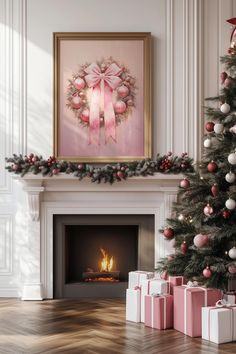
(188, 303)
(137, 276)
(175, 281)
(149, 287)
(219, 324)
(230, 297)
(133, 299)
(159, 311)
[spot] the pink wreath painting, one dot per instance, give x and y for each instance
(101, 95)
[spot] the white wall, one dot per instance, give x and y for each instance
(188, 37)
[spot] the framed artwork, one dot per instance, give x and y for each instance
(102, 96)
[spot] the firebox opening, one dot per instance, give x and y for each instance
(100, 253)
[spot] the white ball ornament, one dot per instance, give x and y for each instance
(225, 108)
(207, 143)
(230, 204)
(232, 253)
(232, 158)
(218, 128)
(230, 177)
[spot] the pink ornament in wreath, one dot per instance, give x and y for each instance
(102, 95)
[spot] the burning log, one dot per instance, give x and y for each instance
(99, 276)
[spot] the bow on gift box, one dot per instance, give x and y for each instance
(223, 303)
(102, 84)
(192, 284)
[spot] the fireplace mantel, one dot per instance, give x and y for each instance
(64, 182)
(66, 195)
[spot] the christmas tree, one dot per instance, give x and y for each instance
(202, 228)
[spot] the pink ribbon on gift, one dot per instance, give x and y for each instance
(103, 84)
(226, 305)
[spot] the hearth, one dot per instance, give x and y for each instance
(94, 253)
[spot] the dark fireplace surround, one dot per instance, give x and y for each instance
(77, 240)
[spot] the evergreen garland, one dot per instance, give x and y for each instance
(167, 164)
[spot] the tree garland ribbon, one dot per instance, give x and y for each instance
(167, 164)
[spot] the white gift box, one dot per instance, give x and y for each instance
(133, 299)
(137, 276)
(219, 324)
(230, 298)
(149, 287)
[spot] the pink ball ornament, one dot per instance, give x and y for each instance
(228, 81)
(184, 183)
(223, 77)
(85, 115)
(200, 240)
(215, 190)
(76, 102)
(164, 275)
(207, 272)
(208, 210)
(120, 107)
(123, 91)
(120, 174)
(232, 269)
(55, 171)
(79, 83)
(130, 103)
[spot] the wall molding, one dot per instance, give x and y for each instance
(6, 243)
(169, 76)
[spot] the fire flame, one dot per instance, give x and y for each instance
(107, 262)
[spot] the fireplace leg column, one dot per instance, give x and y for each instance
(30, 259)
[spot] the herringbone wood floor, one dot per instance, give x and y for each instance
(89, 327)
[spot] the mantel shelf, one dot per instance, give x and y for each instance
(63, 182)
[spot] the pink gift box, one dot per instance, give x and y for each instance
(175, 281)
(188, 303)
(159, 311)
(149, 287)
(230, 297)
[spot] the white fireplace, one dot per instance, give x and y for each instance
(66, 195)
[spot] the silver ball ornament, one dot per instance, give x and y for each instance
(230, 204)
(230, 177)
(225, 108)
(207, 143)
(218, 128)
(232, 158)
(232, 253)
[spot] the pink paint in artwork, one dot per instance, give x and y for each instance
(103, 85)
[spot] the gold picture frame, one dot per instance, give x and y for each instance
(128, 125)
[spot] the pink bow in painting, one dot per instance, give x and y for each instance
(102, 84)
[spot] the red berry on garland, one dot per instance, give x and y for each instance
(184, 247)
(31, 155)
(168, 232)
(207, 272)
(209, 126)
(212, 167)
(223, 76)
(215, 190)
(208, 210)
(80, 166)
(184, 183)
(226, 214)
